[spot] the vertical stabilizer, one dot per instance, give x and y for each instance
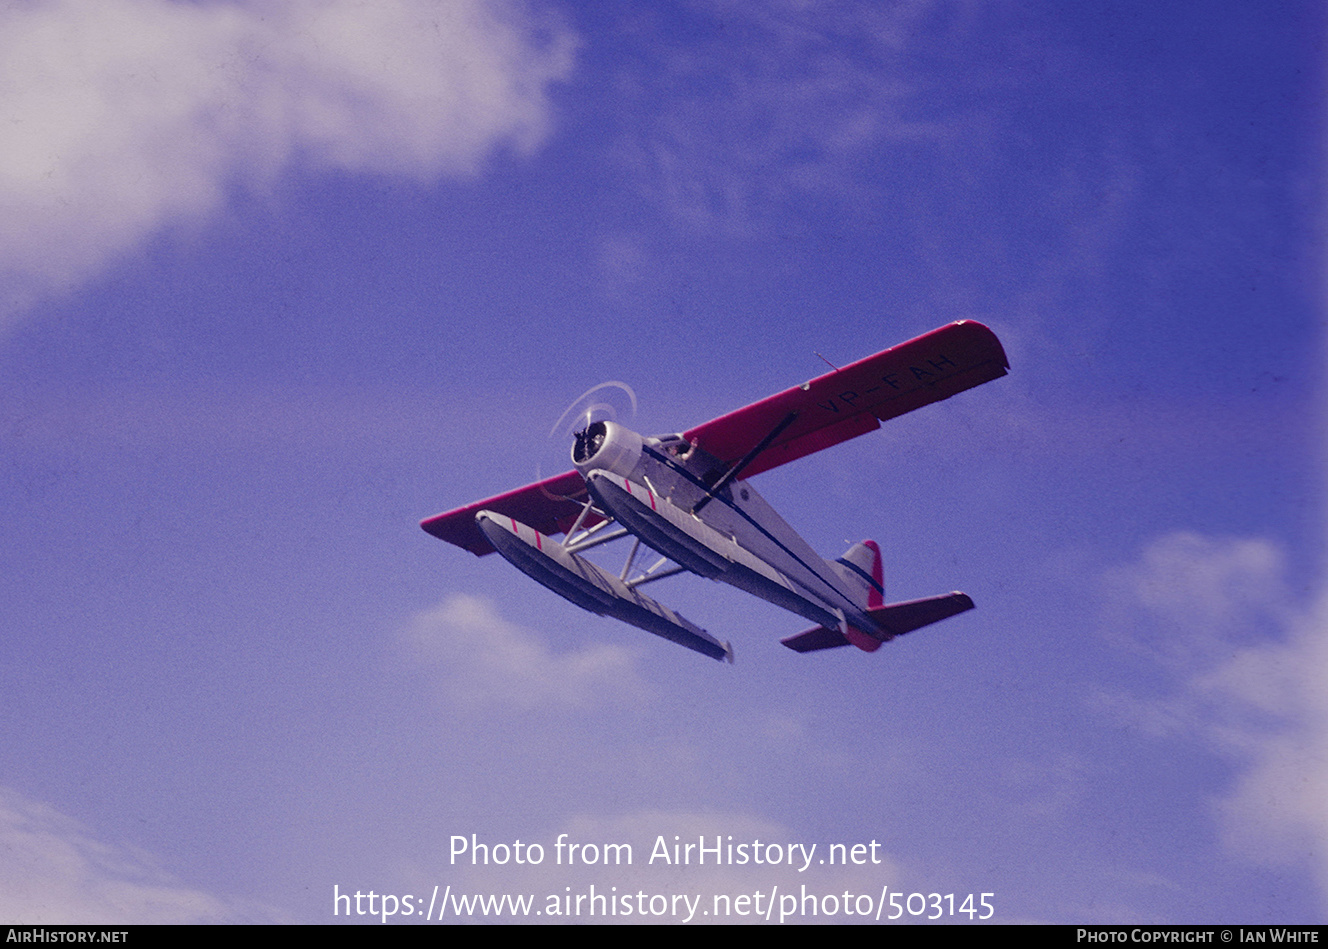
(860, 567)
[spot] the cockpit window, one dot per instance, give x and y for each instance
(676, 445)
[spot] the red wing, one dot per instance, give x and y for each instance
(830, 409)
(855, 400)
(550, 506)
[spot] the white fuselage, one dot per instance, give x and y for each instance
(657, 489)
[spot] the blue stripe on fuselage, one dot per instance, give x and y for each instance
(673, 465)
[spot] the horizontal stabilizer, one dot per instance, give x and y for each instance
(900, 618)
(814, 639)
(893, 620)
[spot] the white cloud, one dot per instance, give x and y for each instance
(762, 103)
(53, 871)
(1189, 598)
(483, 660)
(124, 116)
(1251, 671)
(1279, 808)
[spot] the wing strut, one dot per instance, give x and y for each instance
(747, 459)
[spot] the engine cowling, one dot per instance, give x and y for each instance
(608, 446)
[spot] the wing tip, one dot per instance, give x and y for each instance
(461, 532)
(989, 336)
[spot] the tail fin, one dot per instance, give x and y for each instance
(860, 568)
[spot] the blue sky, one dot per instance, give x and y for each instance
(279, 280)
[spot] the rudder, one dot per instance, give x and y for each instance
(860, 568)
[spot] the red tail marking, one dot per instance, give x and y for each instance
(860, 639)
(873, 595)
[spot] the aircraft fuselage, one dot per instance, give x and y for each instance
(662, 490)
